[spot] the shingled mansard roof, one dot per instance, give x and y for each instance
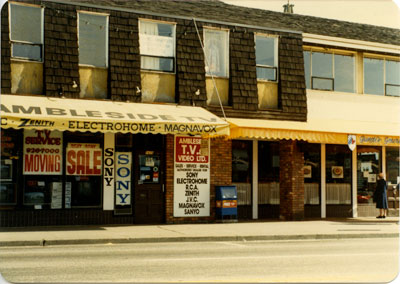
(214, 10)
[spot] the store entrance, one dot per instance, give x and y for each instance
(369, 165)
(149, 200)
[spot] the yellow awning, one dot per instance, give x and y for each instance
(38, 112)
(272, 129)
(375, 120)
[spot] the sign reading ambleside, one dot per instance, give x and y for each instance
(191, 177)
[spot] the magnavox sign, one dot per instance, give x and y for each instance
(30, 112)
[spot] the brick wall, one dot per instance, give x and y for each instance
(124, 58)
(291, 181)
(220, 174)
(243, 77)
(5, 52)
(190, 73)
(61, 62)
(292, 84)
(61, 57)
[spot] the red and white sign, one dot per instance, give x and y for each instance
(190, 150)
(42, 152)
(84, 159)
(191, 177)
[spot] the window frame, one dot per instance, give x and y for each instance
(332, 52)
(276, 56)
(173, 24)
(227, 63)
(106, 50)
(385, 84)
(21, 42)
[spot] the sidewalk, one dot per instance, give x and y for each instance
(242, 231)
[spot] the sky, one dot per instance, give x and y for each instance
(375, 12)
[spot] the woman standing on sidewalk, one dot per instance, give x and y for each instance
(380, 196)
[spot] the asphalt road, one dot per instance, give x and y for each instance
(349, 260)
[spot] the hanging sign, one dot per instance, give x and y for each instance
(123, 178)
(42, 152)
(191, 177)
(351, 142)
(84, 159)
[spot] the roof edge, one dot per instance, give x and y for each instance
(66, 2)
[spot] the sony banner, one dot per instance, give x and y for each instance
(109, 171)
(123, 178)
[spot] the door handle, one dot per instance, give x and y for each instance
(163, 188)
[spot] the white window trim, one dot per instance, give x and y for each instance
(227, 51)
(107, 35)
(173, 24)
(27, 42)
(276, 56)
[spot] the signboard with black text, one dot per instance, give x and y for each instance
(191, 177)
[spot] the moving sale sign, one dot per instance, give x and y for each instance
(42, 152)
(191, 177)
(84, 159)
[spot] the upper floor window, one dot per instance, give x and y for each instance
(157, 46)
(329, 71)
(381, 77)
(216, 46)
(93, 39)
(26, 32)
(267, 58)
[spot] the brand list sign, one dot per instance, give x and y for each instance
(191, 177)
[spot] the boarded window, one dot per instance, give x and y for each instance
(157, 46)
(93, 39)
(216, 45)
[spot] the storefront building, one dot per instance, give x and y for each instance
(58, 168)
(350, 136)
(142, 128)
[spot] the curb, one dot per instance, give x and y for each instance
(194, 239)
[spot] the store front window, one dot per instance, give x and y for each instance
(242, 170)
(338, 174)
(268, 172)
(368, 168)
(83, 170)
(10, 158)
(42, 168)
(312, 174)
(392, 165)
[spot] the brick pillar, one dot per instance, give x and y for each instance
(291, 181)
(169, 178)
(220, 174)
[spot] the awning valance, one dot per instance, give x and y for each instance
(277, 130)
(375, 120)
(272, 129)
(38, 112)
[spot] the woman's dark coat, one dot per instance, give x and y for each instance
(380, 196)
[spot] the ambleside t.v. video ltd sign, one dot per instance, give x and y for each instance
(191, 177)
